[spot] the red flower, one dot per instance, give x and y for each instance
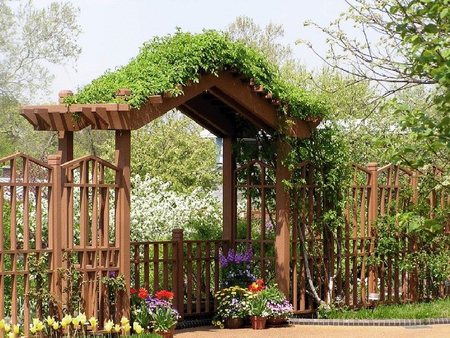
(164, 294)
(133, 291)
(256, 286)
(143, 293)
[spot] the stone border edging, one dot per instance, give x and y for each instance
(369, 322)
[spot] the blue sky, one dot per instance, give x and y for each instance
(113, 30)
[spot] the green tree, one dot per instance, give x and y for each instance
(424, 27)
(172, 150)
(396, 46)
(30, 40)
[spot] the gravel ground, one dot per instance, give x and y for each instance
(312, 331)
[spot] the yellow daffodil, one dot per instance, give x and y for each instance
(33, 329)
(11, 335)
(94, 323)
(76, 321)
(40, 326)
(124, 321)
(116, 328)
(2, 324)
(82, 318)
(66, 321)
(16, 328)
(126, 327)
(35, 321)
(55, 326)
(109, 325)
(50, 321)
(137, 328)
(7, 327)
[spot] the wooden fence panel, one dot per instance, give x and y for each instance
(25, 238)
(90, 191)
(156, 266)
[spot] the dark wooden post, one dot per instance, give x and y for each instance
(65, 138)
(372, 218)
(57, 229)
(414, 279)
(178, 272)
(282, 239)
(229, 193)
(123, 158)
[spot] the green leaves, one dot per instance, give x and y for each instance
(165, 62)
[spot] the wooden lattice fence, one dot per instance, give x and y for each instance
(48, 209)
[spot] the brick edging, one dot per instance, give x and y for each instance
(369, 322)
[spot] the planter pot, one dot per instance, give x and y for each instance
(258, 323)
(167, 334)
(274, 321)
(233, 323)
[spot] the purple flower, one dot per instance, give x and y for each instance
(112, 274)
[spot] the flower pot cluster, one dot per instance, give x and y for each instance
(259, 303)
(154, 312)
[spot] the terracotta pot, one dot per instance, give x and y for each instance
(273, 321)
(167, 334)
(258, 323)
(233, 323)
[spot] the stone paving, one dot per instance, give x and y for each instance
(328, 331)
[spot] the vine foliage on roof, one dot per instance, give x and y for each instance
(163, 63)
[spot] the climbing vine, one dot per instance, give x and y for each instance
(166, 62)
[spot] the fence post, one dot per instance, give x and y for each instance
(57, 228)
(372, 218)
(414, 279)
(283, 236)
(178, 271)
(122, 161)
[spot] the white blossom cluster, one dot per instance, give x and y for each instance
(156, 210)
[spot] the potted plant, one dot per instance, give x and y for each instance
(235, 268)
(258, 305)
(139, 309)
(164, 317)
(279, 307)
(232, 307)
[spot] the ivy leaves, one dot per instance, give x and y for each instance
(166, 62)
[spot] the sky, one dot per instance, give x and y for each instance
(114, 30)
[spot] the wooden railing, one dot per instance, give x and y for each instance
(188, 268)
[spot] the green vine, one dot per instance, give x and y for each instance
(39, 297)
(73, 279)
(164, 63)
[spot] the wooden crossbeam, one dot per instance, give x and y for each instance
(208, 116)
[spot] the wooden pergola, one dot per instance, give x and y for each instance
(222, 104)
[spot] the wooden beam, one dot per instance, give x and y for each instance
(209, 116)
(150, 111)
(243, 111)
(100, 122)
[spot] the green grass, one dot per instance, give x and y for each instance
(435, 309)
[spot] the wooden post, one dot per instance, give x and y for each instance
(282, 239)
(372, 218)
(65, 138)
(57, 230)
(412, 244)
(177, 271)
(123, 159)
(65, 145)
(229, 193)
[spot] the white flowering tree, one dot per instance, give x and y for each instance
(156, 209)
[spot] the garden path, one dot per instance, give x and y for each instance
(316, 331)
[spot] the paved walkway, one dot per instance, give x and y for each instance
(313, 331)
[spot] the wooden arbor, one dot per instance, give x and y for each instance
(225, 105)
